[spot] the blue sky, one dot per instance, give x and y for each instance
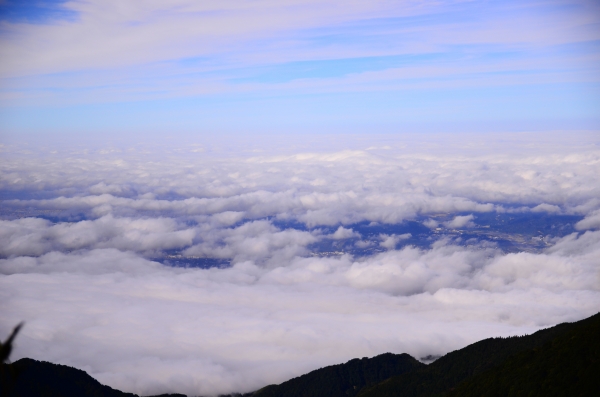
(297, 66)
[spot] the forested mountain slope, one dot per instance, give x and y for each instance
(343, 380)
(32, 378)
(481, 361)
(568, 365)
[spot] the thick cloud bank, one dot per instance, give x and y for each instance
(206, 269)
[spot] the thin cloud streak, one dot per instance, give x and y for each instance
(181, 49)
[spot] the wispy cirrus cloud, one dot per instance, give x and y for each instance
(117, 51)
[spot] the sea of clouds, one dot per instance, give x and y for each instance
(81, 227)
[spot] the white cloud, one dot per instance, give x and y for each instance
(461, 221)
(78, 228)
(546, 208)
(390, 241)
(146, 328)
(431, 223)
(591, 221)
(343, 233)
(34, 236)
(397, 185)
(256, 241)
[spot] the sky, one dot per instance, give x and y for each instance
(244, 135)
(245, 67)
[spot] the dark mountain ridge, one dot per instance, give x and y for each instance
(453, 368)
(561, 360)
(28, 377)
(343, 380)
(567, 365)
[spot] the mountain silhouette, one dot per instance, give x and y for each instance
(557, 361)
(490, 365)
(343, 380)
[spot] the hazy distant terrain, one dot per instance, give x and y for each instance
(508, 232)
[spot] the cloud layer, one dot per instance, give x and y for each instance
(83, 230)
